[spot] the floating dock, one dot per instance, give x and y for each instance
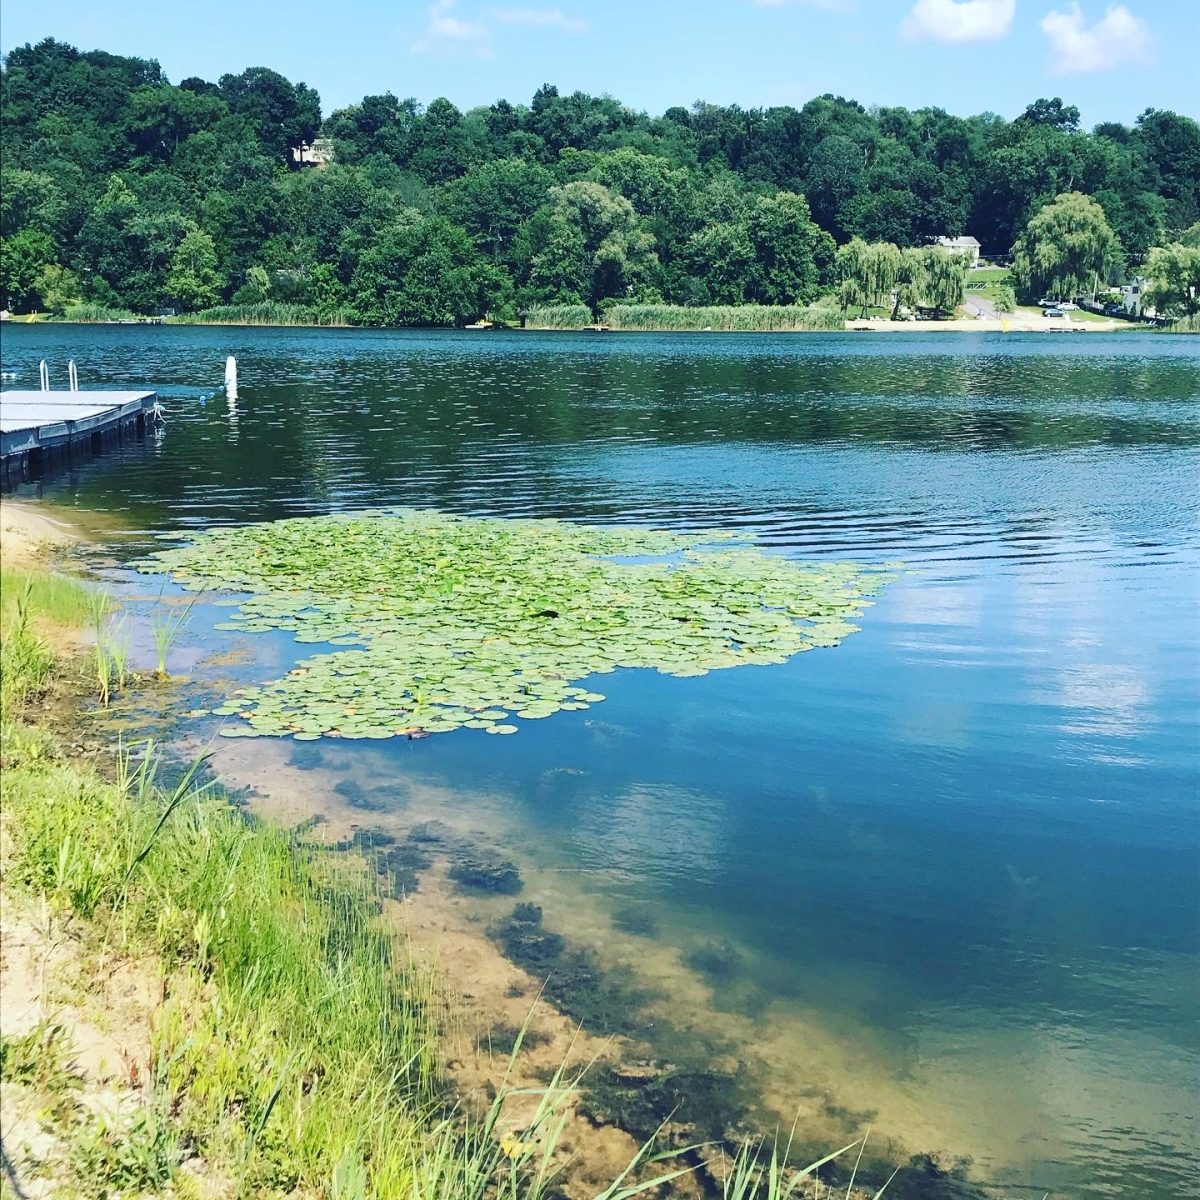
(38, 426)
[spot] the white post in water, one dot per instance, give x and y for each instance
(44, 376)
(72, 376)
(231, 389)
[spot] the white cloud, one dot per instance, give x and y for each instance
(1116, 37)
(446, 30)
(959, 20)
(541, 18)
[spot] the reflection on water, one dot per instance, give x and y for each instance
(957, 855)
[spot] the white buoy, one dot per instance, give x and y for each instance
(44, 375)
(72, 376)
(231, 372)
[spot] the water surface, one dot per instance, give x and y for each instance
(958, 854)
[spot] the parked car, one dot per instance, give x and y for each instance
(1053, 311)
(1069, 306)
(1113, 310)
(1046, 302)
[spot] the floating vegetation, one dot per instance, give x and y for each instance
(451, 622)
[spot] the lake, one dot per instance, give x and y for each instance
(955, 861)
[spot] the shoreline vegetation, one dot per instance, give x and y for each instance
(202, 1003)
(219, 199)
(639, 318)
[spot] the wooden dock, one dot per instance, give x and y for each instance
(38, 426)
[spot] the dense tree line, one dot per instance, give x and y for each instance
(121, 188)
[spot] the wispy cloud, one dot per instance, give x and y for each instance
(445, 31)
(959, 20)
(448, 33)
(542, 18)
(1116, 37)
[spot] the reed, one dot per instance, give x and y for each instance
(268, 312)
(1190, 324)
(97, 313)
(559, 316)
(166, 624)
(743, 318)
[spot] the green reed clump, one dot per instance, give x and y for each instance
(1190, 324)
(559, 316)
(267, 312)
(744, 318)
(96, 312)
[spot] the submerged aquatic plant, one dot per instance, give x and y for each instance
(453, 622)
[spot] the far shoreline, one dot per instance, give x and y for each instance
(862, 325)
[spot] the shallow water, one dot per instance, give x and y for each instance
(958, 855)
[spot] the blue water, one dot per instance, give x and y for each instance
(960, 853)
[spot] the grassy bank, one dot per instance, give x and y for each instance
(290, 1046)
(677, 318)
(294, 1050)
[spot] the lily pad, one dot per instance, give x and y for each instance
(430, 622)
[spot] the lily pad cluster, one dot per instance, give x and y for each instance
(450, 622)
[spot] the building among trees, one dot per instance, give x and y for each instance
(967, 246)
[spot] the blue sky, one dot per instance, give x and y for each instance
(1111, 59)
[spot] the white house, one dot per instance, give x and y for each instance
(1131, 297)
(318, 154)
(968, 246)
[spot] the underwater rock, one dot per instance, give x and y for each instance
(498, 876)
(636, 919)
(719, 961)
(604, 1001)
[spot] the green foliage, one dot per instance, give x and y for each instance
(1065, 250)
(460, 622)
(1174, 273)
(193, 278)
(568, 199)
(25, 259)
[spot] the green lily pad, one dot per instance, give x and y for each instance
(432, 621)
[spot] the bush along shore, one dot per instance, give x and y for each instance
(199, 1004)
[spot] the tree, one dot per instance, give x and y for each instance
(23, 259)
(794, 255)
(1053, 114)
(1174, 273)
(193, 279)
(425, 271)
(281, 114)
(1065, 250)
(586, 245)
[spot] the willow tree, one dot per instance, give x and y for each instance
(1065, 250)
(944, 282)
(1174, 273)
(867, 273)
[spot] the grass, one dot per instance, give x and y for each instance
(1183, 325)
(559, 316)
(295, 1049)
(97, 312)
(269, 312)
(744, 318)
